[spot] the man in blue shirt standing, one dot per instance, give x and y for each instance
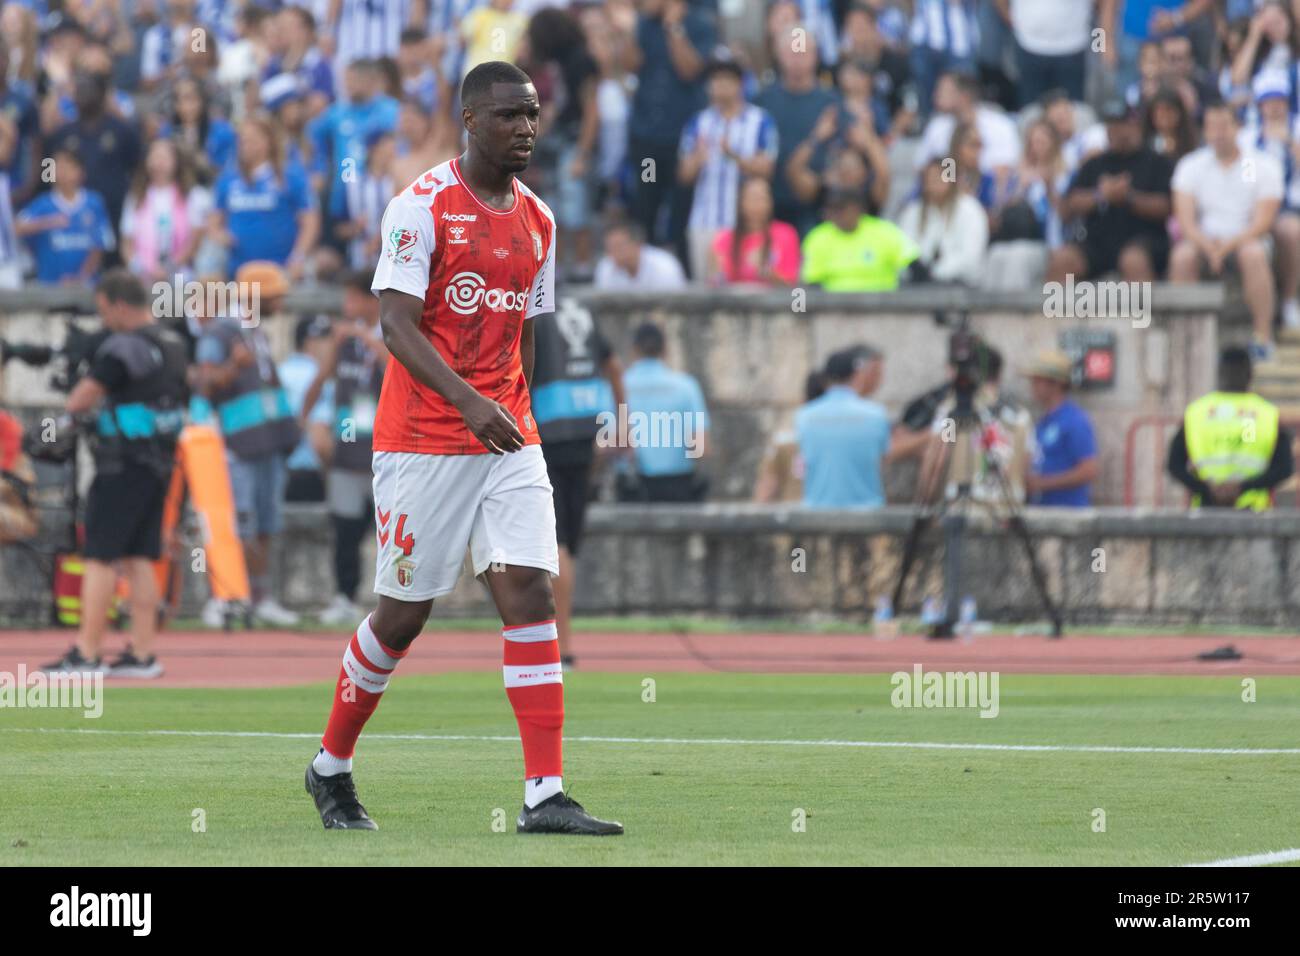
(342, 132)
(844, 435)
(665, 422)
(1065, 462)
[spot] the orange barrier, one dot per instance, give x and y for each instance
(201, 470)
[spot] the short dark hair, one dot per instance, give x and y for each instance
(480, 80)
(121, 286)
(309, 327)
(1235, 369)
(1219, 105)
(844, 364)
(992, 363)
(648, 339)
(720, 65)
(413, 35)
(966, 82)
(359, 280)
(814, 386)
(633, 228)
(304, 16)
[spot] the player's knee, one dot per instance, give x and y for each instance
(398, 623)
(534, 600)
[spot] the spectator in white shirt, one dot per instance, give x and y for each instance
(948, 226)
(629, 265)
(1226, 201)
(956, 102)
(1277, 132)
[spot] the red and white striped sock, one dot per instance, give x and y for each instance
(535, 685)
(367, 666)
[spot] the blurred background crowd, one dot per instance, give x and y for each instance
(848, 144)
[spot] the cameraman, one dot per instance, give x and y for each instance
(137, 381)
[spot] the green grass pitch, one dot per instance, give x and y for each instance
(124, 794)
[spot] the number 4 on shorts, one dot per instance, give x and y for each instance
(404, 541)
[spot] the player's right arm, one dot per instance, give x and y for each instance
(402, 281)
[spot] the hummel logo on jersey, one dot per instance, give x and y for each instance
(459, 217)
(466, 293)
(457, 235)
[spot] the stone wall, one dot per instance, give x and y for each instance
(1104, 566)
(751, 352)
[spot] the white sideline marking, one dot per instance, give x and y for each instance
(708, 741)
(1256, 859)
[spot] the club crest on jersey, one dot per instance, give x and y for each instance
(405, 572)
(537, 244)
(401, 244)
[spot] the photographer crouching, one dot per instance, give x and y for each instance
(136, 383)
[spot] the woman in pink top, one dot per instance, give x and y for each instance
(759, 249)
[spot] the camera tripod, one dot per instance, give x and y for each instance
(950, 509)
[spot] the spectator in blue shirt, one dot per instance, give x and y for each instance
(341, 132)
(1065, 461)
(844, 435)
(67, 228)
(264, 209)
(311, 342)
(666, 422)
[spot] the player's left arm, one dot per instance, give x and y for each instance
(541, 300)
(527, 352)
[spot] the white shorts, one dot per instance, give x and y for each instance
(429, 508)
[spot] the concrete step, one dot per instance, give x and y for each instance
(1278, 393)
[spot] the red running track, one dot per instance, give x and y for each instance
(280, 658)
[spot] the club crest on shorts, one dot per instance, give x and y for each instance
(401, 244)
(537, 244)
(405, 572)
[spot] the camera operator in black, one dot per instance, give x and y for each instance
(137, 381)
(355, 367)
(576, 376)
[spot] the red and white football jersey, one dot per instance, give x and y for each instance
(481, 273)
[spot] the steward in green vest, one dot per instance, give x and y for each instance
(1230, 451)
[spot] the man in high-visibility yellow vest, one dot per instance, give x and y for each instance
(1230, 452)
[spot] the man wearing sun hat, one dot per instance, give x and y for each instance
(1065, 460)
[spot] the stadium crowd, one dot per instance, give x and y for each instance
(849, 144)
(852, 145)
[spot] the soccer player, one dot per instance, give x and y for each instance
(468, 259)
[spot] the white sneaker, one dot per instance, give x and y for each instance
(270, 611)
(213, 614)
(340, 611)
(1291, 314)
